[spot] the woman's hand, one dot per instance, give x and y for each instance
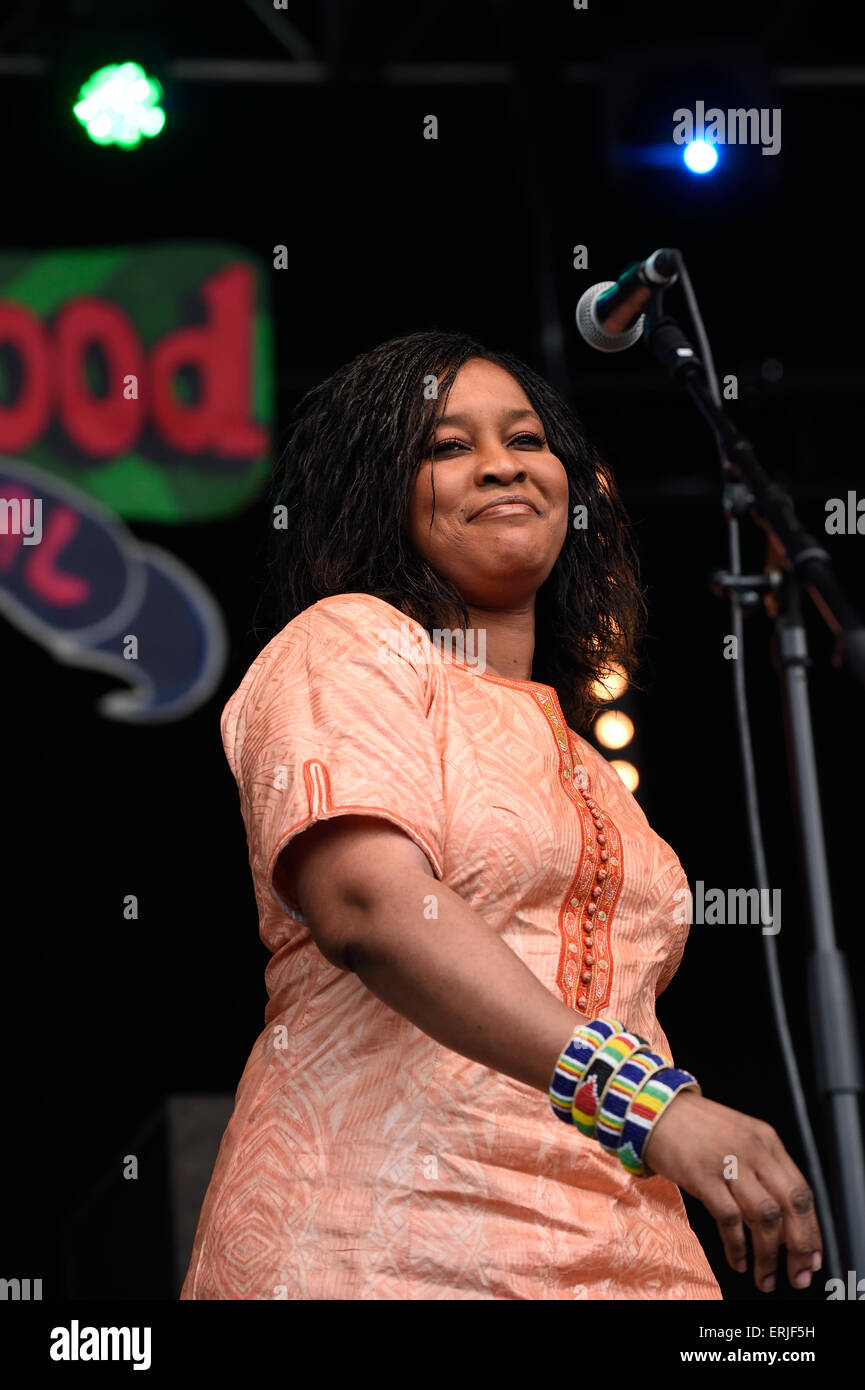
(696, 1142)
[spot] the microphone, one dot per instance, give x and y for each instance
(609, 315)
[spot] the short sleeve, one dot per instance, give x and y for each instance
(333, 719)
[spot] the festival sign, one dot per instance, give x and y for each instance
(142, 375)
(134, 383)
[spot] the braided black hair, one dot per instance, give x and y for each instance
(345, 478)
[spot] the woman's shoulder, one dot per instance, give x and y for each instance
(350, 628)
(334, 637)
(366, 609)
(350, 618)
(344, 645)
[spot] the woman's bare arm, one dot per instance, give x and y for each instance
(363, 887)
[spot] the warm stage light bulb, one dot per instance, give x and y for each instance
(612, 685)
(613, 729)
(628, 773)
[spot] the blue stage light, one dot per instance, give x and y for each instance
(699, 157)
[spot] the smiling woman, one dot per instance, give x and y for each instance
(467, 910)
(387, 461)
(489, 509)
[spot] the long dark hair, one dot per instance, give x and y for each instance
(342, 488)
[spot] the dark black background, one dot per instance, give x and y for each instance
(388, 233)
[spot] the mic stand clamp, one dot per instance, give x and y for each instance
(748, 587)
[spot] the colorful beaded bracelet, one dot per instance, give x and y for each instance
(629, 1096)
(644, 1111)
(627, 1081)
(574, 1060)
(589, 1094)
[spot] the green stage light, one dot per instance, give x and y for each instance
(118, 105)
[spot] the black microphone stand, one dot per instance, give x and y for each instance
(834, 1031)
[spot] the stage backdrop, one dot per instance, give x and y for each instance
(135, 383)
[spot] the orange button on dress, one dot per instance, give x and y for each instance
(363, 1160)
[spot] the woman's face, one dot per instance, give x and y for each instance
(490, 443)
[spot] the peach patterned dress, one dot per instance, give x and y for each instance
(363, 1160)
